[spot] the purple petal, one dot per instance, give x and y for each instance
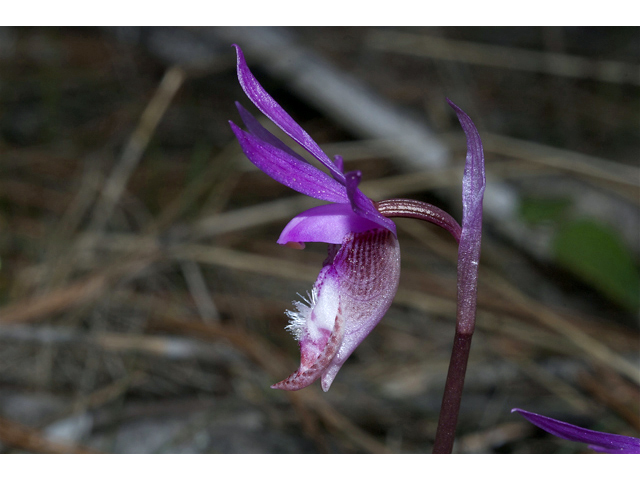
(598, 441)
(270, 108)
(326, 223)
(356, 285)
(262, 133)
(288, 170)
(473, 185)
(363, 205)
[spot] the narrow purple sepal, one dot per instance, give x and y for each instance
(272, 110)
(598, 441)
(288, 170)
(363, 205)
(256, 128)
(326, 224)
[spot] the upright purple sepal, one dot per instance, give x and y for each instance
(598, 441)
(262, 133)
(274, 112)
(288, 170)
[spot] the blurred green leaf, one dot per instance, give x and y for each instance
(597, 254)
(537, 210)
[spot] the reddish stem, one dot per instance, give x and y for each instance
(468, 255)
(404, 207)
(448, 420)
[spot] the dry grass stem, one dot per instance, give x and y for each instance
(153, 113)
(476, 53)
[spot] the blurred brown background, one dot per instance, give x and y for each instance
(142, 292)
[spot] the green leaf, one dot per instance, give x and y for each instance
(537, 210)
(597, 254)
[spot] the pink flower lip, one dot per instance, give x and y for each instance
(351, 295)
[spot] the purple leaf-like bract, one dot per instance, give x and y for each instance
(360, 276)
(473, 185)
(598, 441)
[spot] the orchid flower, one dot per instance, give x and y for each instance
(360, 276)
(598, 441)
